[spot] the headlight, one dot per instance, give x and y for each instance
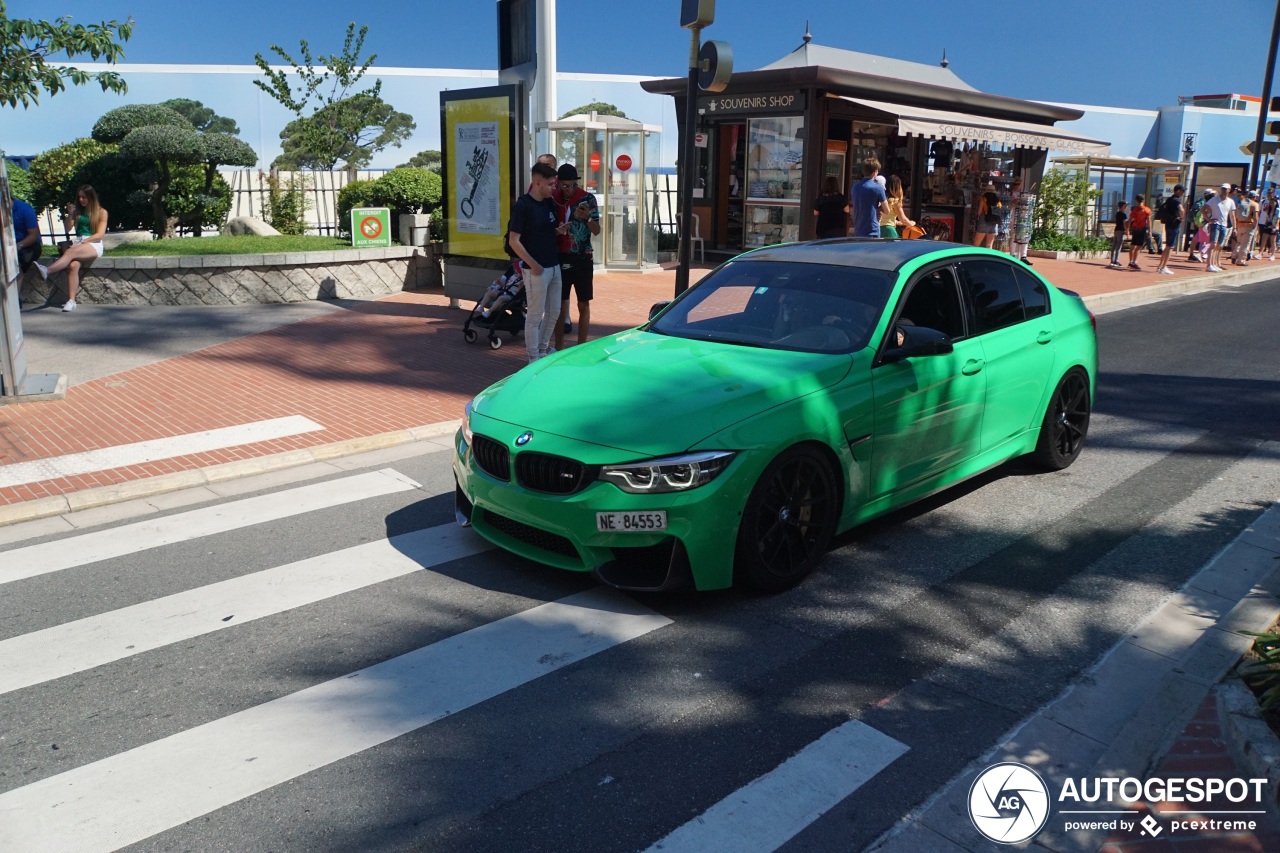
(668, 474)
(466, 424)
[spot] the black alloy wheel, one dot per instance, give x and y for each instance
(1066, 423)
(787, 522)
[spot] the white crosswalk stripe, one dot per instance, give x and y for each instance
(131, 796)
(768, 812)
(76, 646)
(33, 560)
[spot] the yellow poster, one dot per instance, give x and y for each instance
(478, 158)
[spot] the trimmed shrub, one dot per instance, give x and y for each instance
(120, 122)
(19, 182)
(409, 190)
(53, 173)
(193, 205)
(354, 194)
(117, 179)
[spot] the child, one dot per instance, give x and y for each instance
(1117, 237)
(504, 288)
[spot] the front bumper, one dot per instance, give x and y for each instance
(560, 530)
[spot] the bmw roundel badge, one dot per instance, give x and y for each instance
(524, 438)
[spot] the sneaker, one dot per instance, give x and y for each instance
(1271, 257)
(568, 327)
(1165, 271)
(1027, 262)
(1113, 266)
(70, 305)
(485, 313)
(43, 271)
(1212, 268)
(1134, 266)
(1195, 256)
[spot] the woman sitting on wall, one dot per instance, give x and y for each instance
(89, 220)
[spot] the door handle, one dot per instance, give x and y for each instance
(972, 366)
(1044, 337)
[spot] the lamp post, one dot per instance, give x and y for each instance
(1266, 98)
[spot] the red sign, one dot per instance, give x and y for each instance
(370, 227)
(624, 162)
(594, 161)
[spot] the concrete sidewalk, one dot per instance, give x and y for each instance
(303, 384)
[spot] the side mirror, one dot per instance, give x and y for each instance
(656, 308)
(920, 341)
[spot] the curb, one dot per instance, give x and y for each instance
(133, 489)
(1206, 281)
(1249, 738)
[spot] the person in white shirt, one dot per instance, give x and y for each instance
(1219, 216)
(1267, 211)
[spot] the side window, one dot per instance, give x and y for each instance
(993, 290)
(933, 302)
(1035, 297)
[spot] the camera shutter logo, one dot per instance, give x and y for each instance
(1009, 803)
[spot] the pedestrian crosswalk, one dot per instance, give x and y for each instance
(158, 784)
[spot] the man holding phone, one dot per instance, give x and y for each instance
(578, 213)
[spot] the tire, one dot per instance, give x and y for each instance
(495, 342)
(1065, 424)
(787, 522)
(470, 335)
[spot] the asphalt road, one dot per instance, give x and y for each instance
(940, 627)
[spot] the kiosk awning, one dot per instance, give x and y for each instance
(963, 127)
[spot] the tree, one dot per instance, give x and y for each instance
(53, 173)
(334, 121)
(218, 149)
(351, 130)
(167, 146)
(430, 160)
(116, 124)
(25, 46)
(597, 107)
(201, 117)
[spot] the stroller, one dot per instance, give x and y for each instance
(505, 315)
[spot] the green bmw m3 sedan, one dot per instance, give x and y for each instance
(791, 394)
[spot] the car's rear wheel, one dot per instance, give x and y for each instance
(1066, 423)
(788, 521)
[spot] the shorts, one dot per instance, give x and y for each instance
(986, 227)
(1217, 233)
(1138, 236)
(1267, 228)
(1171, 230)
(577, 273)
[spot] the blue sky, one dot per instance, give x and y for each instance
(1122, 54)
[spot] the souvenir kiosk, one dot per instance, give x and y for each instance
(613, 156)
(775, 133)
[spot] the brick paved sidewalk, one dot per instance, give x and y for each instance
(1198, 752)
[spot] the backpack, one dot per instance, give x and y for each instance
(988, 214)
(1169, 211)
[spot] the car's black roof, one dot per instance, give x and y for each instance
(864, 252)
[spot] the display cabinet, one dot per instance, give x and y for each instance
(775, 160)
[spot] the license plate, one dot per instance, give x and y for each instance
(631, 522)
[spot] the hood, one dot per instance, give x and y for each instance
(652, 394)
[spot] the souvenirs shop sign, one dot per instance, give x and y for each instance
(777, 102)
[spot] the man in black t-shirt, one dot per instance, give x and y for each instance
(532, 236)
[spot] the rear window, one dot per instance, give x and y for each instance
(1035, 296)
(779, 305)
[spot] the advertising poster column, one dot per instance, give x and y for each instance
(480, 130)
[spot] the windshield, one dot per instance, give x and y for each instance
(790, 306)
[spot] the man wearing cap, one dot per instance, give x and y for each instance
(1171, 214)
(577, 211)
(1246, 227)
(1219, 215)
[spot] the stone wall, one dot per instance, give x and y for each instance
(242, 279)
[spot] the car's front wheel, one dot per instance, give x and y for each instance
(1066, 423)
(787, 522)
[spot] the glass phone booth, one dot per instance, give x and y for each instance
(613, 156)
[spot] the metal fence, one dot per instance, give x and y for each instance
(250, 188)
